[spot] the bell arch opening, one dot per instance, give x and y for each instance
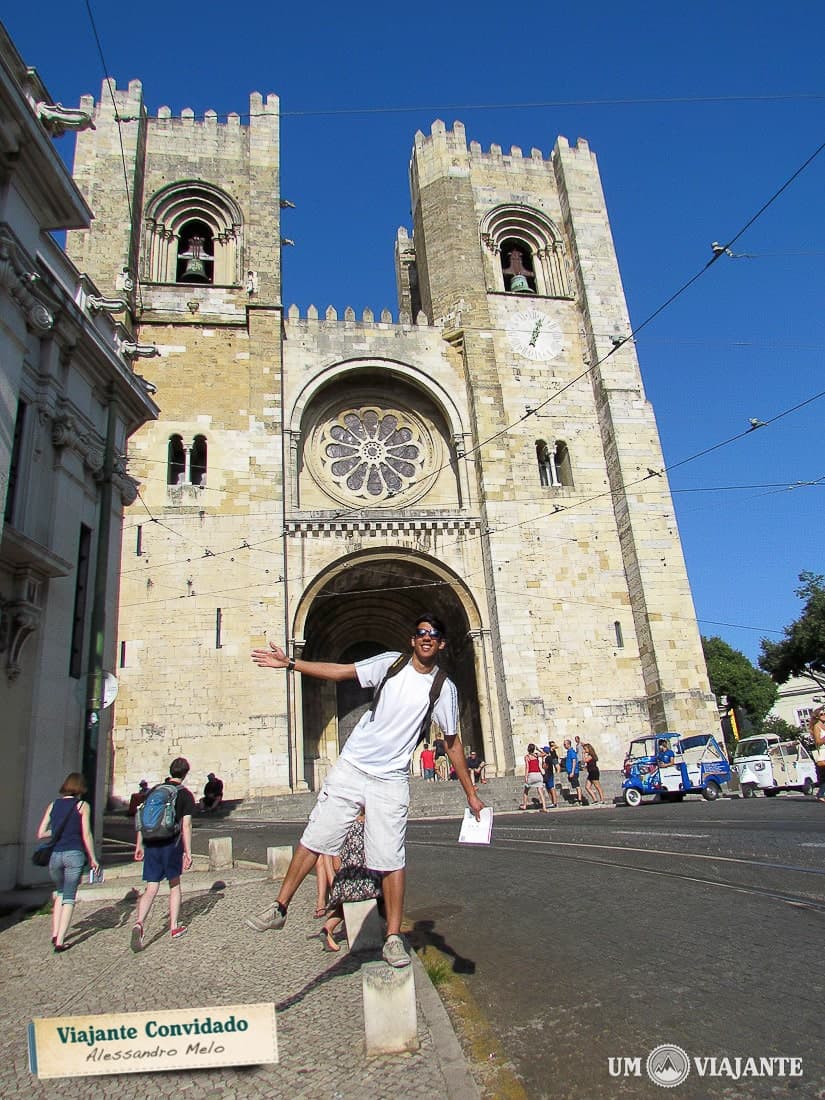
(370, 608)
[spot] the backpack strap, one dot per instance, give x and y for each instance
(399, 662)
(435, 691)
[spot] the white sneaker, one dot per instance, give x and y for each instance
(273, 919)
(395, 953)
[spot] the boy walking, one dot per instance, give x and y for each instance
(164, 846)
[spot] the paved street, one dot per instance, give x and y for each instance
(593, 934)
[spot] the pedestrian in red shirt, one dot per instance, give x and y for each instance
(427, 762)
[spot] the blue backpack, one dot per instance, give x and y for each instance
(155, 817)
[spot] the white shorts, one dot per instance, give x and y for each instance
(347, 791)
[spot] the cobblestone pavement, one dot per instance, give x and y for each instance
(317, 997)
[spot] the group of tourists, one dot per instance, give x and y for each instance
(433, 764)
(543, 766)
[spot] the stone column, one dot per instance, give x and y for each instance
(494, 749)
(296, 725)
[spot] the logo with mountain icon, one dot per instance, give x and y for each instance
(667, 1065)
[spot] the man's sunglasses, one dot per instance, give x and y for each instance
(422, 633)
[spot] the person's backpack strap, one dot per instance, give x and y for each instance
(435, 691)
(399, 662)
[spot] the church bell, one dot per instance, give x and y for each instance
(195, 271)
(196, 260)
(519, 285)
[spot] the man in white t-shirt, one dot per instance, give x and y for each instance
(372, 772)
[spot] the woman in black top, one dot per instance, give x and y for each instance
(74, 846)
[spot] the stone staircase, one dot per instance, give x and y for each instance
(442, 799)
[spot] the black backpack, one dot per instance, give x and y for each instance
(435, 690)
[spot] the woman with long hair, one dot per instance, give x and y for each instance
(592, 785)
(69, 819)
(816, 724)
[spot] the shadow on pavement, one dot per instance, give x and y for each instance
(423, 934)
(349, 964)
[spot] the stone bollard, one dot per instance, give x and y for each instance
(390, 1021)
(220, 853)
(277, 860)
(365, 929)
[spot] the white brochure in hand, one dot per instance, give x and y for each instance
(476, 832)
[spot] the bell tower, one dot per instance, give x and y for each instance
(188, 240)
(514, 254)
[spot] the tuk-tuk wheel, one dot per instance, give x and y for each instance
(808, 787)
(632, 797)
(712, 791)
(747, 790)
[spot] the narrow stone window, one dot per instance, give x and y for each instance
(123, 655)
(617, 628)
(14, 463)
(197, 465)
(218, 628)
(81, 588)
(554, 466)
(176, 461)
(544, 460)
(139, 541)
(561, 462)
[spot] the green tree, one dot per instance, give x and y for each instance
(802, 651)
(732, 674)
(783, 730)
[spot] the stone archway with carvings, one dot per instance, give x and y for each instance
(368, 607)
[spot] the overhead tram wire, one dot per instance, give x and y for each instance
(541, 105)
(535, 518)
(230, 593)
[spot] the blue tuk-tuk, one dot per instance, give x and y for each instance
(672, 766)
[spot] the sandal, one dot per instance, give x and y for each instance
(320, 912)
(329, 943)
(327, 940)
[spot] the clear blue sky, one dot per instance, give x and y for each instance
(735, 104)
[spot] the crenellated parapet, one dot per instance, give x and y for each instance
(348, 320)
(445, 152)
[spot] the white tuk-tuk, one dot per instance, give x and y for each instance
(768, 764)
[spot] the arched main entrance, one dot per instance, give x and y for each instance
(367, 605)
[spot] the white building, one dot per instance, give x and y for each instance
(69, 399)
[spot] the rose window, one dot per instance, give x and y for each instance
(372, 453)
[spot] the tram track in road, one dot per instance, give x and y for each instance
(798, 900)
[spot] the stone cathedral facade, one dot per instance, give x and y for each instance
(486, 452)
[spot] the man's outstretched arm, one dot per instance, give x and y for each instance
(455, 751)
(274, 657)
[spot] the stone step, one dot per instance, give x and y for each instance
(442, 799)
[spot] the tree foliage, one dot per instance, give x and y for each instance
(784, 730)
(732, 674)
(802, 651)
